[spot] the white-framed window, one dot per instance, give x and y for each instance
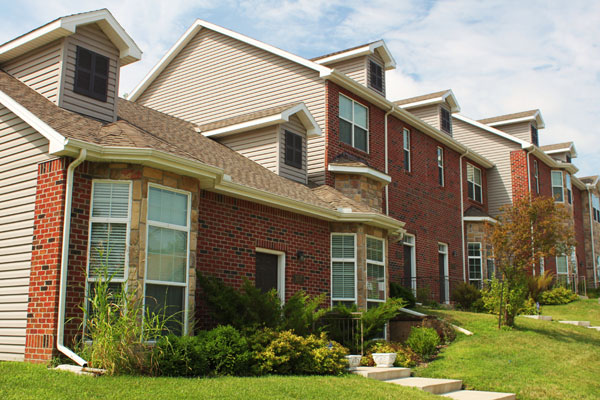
(354, 123)
(474, 183)
(562, 265)
(167, 255)
(542, 265)
(558, 187)
(406, 146)
(569, 188)
(445, 120)
(410, 262)
(536, 176)
(444, 273)
(343, 268)
(375, 270)
(109, 227)
(474, 252)
(596, 207)
(490, 263)
(440, 163)
(376, 77)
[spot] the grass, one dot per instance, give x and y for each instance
(582, 310)
(535, 360)
(27, 381)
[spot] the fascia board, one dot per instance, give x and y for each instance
(312, 127)
(361, 51)
(578, 183)
(244, 126)
(551, 162)
(365, 171)
(55, 139)
(535, 117)
(435, 100)
(390, 63)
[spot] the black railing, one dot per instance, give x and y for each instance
(346, 330)
(429, 290)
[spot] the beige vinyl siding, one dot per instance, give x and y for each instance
(259, 146)
(296, 174)
(377, 58)
(521, 130)
(91, 38)
(497, 150)
(429, 114)
(216, 77)
(39, 69)
(21, 149)
(355, 68)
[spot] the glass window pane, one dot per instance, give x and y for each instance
(360, 138)
(346, 108)
(167, 206)
(374, 249)
(167, 254)
(168, 303)
(360, 115)
(342, 280)
(375, 282)
(556, 178)
(345, 132)
(108, 244)
(110, 200)
(342, 246)
(561, 264)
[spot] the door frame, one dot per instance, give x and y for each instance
(446, 271)
(280, 270)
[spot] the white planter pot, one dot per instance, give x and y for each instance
(353, 361)
(384, 360)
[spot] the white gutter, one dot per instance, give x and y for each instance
(462, 213)
(385, 152)
(64, 262)
(530, 197)
(594, 266)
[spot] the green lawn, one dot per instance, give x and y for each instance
(536, 360)
(582, 310)
(26, 381)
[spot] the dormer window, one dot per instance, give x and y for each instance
(446, 121)
(91, 74)
(534, 136)
(293, 150)
(376, 76)
(568, 158)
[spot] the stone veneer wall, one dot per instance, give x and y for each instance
(361, 189)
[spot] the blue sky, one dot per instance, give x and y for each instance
(497, 56)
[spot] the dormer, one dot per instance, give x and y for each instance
(522, 125)
(434, 108)
(74, 61)
(366, 64)
(563, 152)
(275, 138)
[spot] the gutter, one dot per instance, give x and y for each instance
(594, 266)
(385, 145)
(530, 198)
(462, 213)
(64, 262)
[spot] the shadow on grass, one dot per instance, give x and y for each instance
(562, 334)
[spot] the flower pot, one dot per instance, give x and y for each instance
(353, 361)
(384, 360)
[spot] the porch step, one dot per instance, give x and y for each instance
(576, 323)
(479, 395)
(595, 327)
(542, 317)
(382, 374)
(431, 385)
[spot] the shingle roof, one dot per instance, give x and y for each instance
(557, 146)
(507, 117)
(421, 98)
(238, 119)
(342, 51)
(475, 212)
(337, 200)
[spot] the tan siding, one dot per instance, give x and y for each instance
(21, 149)
(39, 69)
(355, 68)
(295, 174)
(260, 146)
(429, 114)
(497, 150)
(93, 39)
(216, 77)
(521, 130)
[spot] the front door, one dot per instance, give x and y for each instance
(266, 271)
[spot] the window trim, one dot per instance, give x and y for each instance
(353, 123)
(381, 263)
(443, 249)
(413, 260)
(285, 147)
(280, 269)
(569, 188)
(406, 137)
(566, 263)
(149, 223)
(449, 131)
(89, 92)
(353, 260)
(534, 135)
(440, 163)
(536, 176)
(381, 76)
(475, 185)
(480, 258)
(562, 185)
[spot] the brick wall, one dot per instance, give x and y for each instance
(518, 167)
(579, 232)
(467, 202)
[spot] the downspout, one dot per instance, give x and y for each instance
(530, 198)
(64, 261)
(462, 214)
(385, 142)
(595, 267)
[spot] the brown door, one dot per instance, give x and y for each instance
(266, 271)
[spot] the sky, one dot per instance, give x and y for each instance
(498, 57)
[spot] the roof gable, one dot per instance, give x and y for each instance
(379, 46)
(443, 96)
(531, 115)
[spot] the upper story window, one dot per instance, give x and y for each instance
(376, 76)
(353, 123)
(557, 186)
(446, 120)
(596, 207)
(534, 135)
(536, 176)
(91, 74)
(375, 270)
(440, 163)
(406, 146)
(569, 189)
(474, 183)
(568, 157)
(343, 269)
(293, 150)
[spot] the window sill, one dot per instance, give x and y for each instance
(350, 147)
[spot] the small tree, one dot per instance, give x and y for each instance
(527, 231)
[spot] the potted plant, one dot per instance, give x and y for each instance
(384, 360)
(353, 361)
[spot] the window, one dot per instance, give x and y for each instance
(410, 263)
(474, 251)
(406, 137)
(542, 265)
(353, 123)
(490, 262)
(562, 266)
(293, 150)
(536, 176)
(91, 74)
(534, 135)
(596, 207)
(569, 188)
(568, 157)
(444, 275)
(474, 183)
(446, 120)
(167, 255)
(440, 163)
(375, 270)
(343, 269)
(557, 186)
(376, 76)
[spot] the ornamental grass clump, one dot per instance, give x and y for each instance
(423, 341)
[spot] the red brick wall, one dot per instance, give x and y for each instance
(579, 232)
(520, 183)
(230, 230)
(545, 177)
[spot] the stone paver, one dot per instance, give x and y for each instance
(479, 395)
(576, 323)
(431, 385)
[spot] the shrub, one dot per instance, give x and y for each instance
(180, 356)
(513, 299)
(300, 312)
(467, 297)
(405, 356)
(558, 295)
(593, 293)
(227, 351)
(424, 295)
(398, 291)
(423, 341)
(539, 284)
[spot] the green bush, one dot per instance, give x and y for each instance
(516, 297)
(467, 297)
(423, 341)
(558, 295)
(300, 313)
(227, 351)
(398, 291)
(405, 356)
(180, 356)
(593, 293)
